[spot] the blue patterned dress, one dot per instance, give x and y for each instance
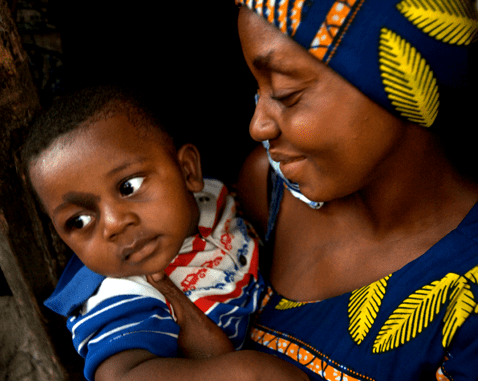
(418, 323)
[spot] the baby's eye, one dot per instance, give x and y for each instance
(130, 186)
(79, 222)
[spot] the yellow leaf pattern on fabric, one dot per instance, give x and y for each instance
(408, 80)
(450, 21)
(363, 307)
(461, 306)
(286, 304)
(472, 275)
(414, 314)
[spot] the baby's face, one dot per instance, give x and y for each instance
(120, 198)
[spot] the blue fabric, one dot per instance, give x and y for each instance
(151, 317)
(437, 290)
(131, 321)
(276, 198)
(121, 323)
(77, 283)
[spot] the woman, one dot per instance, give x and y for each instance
(374, 273)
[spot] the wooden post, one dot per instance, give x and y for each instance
(30, 256)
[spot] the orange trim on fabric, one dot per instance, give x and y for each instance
(303, 353)
(270, 4)
(350, 19)
(258, 7)
(283, 15)
(329, 29)
(296, 15)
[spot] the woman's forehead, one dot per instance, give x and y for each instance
(268, 49)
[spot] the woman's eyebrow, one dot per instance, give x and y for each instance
(263, 61)
(267, 62)
(86, 200)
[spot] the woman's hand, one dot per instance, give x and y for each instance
(199, 337)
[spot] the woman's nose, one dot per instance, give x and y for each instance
(116, 219)
(263, 125)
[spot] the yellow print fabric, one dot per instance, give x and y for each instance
(408, 79)
(416, 312)
(450, 21)
(363, 308)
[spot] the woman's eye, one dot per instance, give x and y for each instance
(130, 186)
(79, 222)
(288, 100)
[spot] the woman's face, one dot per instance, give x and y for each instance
(329, 138)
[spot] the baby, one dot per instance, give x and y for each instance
(132, 207)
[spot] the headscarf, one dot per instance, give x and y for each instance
(404, 54)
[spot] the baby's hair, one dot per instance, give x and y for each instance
(76, 112)
(79, 110)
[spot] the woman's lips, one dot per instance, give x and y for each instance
(140, 249)
(289, 165)
(284, 157)
(291, 169)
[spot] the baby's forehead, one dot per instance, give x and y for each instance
(138, 120)
(133, 123)
(114, 135)
(104, 128)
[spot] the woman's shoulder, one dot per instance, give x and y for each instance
(252, 189)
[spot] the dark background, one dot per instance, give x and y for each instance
(183, 54)
(186, 55)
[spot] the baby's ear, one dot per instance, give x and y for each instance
(190, 162)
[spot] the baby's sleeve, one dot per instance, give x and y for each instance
(121, 323)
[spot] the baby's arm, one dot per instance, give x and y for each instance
(137, 365)
(209, 355)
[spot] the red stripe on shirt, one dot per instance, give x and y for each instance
(183, 260)
(207, 302)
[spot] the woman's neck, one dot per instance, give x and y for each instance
(414, 188)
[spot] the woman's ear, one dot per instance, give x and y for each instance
(190, 163)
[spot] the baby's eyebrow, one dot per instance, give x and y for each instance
(124, 166)
(86, 200)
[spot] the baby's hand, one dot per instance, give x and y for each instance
(199, 337)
